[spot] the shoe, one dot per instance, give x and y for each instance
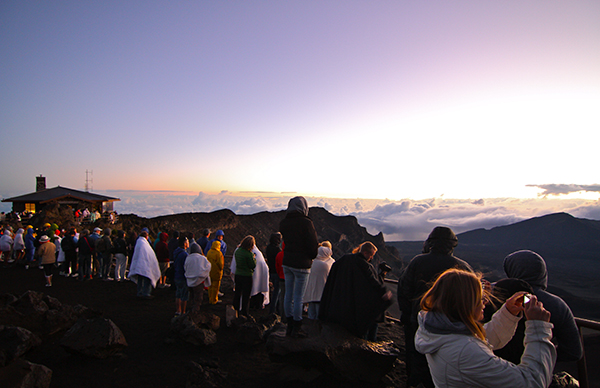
(220, 293)
(74, 275)
(10, 261)
(297, 331)
(26, 266)
(48, 285)
(290, 326)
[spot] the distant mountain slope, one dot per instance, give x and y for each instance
(570, 246)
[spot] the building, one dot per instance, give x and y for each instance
(42, 197)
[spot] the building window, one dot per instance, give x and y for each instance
(30, 207)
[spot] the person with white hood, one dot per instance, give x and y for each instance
(144, 270)
(319, 271)
(197, 274)
(19, 245)
(459, 349)
(6, 246)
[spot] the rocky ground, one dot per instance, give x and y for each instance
(151, 360)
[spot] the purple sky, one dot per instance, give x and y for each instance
(355, 99)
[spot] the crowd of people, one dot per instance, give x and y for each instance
(460, 329)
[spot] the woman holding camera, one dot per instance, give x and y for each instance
(459, 349)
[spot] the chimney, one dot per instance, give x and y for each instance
(40, 183)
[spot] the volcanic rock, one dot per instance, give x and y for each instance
(24, 374)
(331, 349)
(98, 337)
(14, 342)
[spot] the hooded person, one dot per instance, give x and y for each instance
(6, 246)
(29, 246)
(197, 274)
(19, 245)
(301, 246)
(219, 236)
(144, 269)
(531, 267)
(418, 276)
(217, 263)
(316, 281)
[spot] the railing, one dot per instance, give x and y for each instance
(581, 323)
(582, 364)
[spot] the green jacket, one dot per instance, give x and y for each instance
(244, 262)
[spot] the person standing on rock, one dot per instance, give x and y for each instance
(418, 276)
(217, 263)
(104, 249)
(47, 254)
(120, 247)
(245, 263)
(301, 247)
(84, 247)
(354, 296)
(162, 254)
(220, 235)
(271, 252)
(144, 270)
(318, 277)
(181, 291)
(203, 241)
(197, 273)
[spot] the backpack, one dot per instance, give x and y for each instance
(67, 244)
(100, 245)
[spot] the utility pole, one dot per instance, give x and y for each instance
(89, 180)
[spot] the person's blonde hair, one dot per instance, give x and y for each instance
(457, 294)
(326, 244)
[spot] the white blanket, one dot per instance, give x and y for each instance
(144, 262)
(197, 270)
(260, 277)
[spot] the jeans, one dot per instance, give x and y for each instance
(144, 286)
(295, 285)
(313, 310)
(85, 265)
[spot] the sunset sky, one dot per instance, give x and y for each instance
(397, 100)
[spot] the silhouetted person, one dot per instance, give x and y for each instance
(420, 273)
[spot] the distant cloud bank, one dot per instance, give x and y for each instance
(405, 220)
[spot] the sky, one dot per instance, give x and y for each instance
(404, 107)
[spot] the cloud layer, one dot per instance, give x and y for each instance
(406, 220)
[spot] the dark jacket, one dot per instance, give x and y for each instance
(417, 278)
(352, 296)
(301, 244)
(531, 267)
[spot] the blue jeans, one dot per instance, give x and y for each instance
(144, 286)
(313, 310)
(295, 285)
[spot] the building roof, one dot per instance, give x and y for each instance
(57, 193)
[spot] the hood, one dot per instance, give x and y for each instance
(216, 245)
(164, 237)
(433, 331)
(298, 205)
(20, 231)
(528, 266)
(324, 253)
(195, 248)
(30, 232)
(107, 232)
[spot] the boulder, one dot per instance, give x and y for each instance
(331, 349)
(24, 374)
(98, 337)
(197, 333)
(37, 312)
(14, 342)
(250, 332)
(205, 375)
